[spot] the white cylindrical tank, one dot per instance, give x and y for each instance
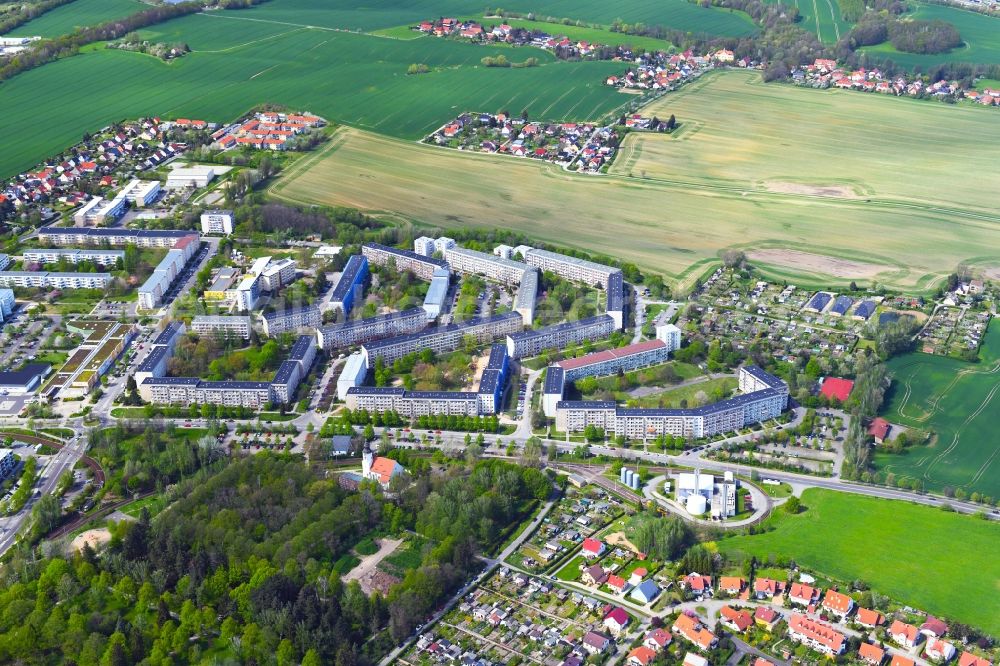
(696, 504)
(628, 478)
(624, 471)
(635, 482)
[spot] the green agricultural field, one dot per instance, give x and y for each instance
(822, 17)
(349, 78)
(360, 15)
(958, 401)
(665, 226)
(78, 14)
(980, 33)
(737, 131)
(906, 551)
(592, 35)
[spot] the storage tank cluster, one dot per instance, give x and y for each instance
(629, 478)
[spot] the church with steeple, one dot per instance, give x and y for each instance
(379, 468)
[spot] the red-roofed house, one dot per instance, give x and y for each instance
(637, 575)
(904, 634)
(939, 650)
(379, 469)
(766, 588)
(697, 583)
(837, 603)
(737, 620)
(933, 627)
(760, 661)
(816, 635)
(616, 620)
(731, 585)
(592, 548)
(869, 618)
(871, 654)
(595, 643)
(617, 583)
(640, 656)
(969, 659)
(766, 617)
(835, 388)
(657, 639)
(900, 660)
(879, 429)
(803, 594)
(691, 629)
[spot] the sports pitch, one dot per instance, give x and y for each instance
(909, 552)
(674, 223)
(959, 402)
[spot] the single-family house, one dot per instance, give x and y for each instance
(871, 654)
(760, 661)
(933, 627)
(736, 620)
(969, 659)
(617, 584)
(900, 660)
(616, 620)
(766, 617)
(879, 429)
(939, 650)
(731, 585)
(838, 603)
(697, 584)
(645, 592)
(596, 643)
(594, 575)
(660, 638)
(869, 618)
(766, 588)
(693, 659)
(640, 656)
(904, 634)
(592, 548)
(637, 575)
(802, 594)
(693, 630)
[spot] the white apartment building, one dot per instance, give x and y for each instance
(443, 338)
(231, 325)
(671, 335)
(353, 374)
(527, 295)
(360, 331)
(54, 280)
(7, 303)
(421, 266)
(412, 404)
(73, 256)
(99, 210)
(115, 236)
(532, 342)
(217, 222)
(278, 274)
(292, 319)
(571, 268)
(427, 246)
(472, 262)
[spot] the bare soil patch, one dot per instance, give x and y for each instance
(839, 191)
(818, 263)
(96, 538)
(365, 573)
(619, 539)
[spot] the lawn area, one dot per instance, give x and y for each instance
(903, 550)
(956, 400)
(154, 504)
(980, 33)
(686, 395)
(79, 13)
(350, 78)
(571, 571)
(821, 17)
(903, 244)
(405, 558)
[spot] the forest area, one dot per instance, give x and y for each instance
(240, 568)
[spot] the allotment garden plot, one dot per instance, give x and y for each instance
(958, 401)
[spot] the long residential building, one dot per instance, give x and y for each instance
(497, 269)
(352, 374)
(73, 256)
(278, 274)
(99, 210)
(405, 260)
(532, 342)
(239, 327)
(612, 361)
(571, 268)
(360, 331)
(115, 236)
(637, 423)
(141, 193)
(526, 296)
(292, 319)
(817, 635)
(351, 284)
(412, 404)
(437, 293)
(616, 298)
(493, 380)
(54, 280)
(444, 338)
(153, 291)
(553, 389)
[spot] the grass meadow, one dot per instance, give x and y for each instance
(349, 78)
(79, 13)
(958, 401)
(980, 33)
(909, 552)
(677, 222)
(821, 17)
(740, 132)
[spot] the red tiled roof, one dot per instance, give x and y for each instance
(969, 659)
(618, 615)
(835, 387)
(907, 630)
(869, 617)
(642, 655)
(873, 654)
(766, 615)
(879, 428)
(592, 545)
(384, 468)
(900, 660)
(611, 354)
(741, 619)
(816, 631)
(835, 601)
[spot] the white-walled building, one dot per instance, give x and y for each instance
(54, 280)
(353, 374)
(217, 222)
(235, 326)
(669, 334)
(141, 193)
(194, 176)
(472, 262)
(73, 256)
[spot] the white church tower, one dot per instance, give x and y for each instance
(367, 458)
